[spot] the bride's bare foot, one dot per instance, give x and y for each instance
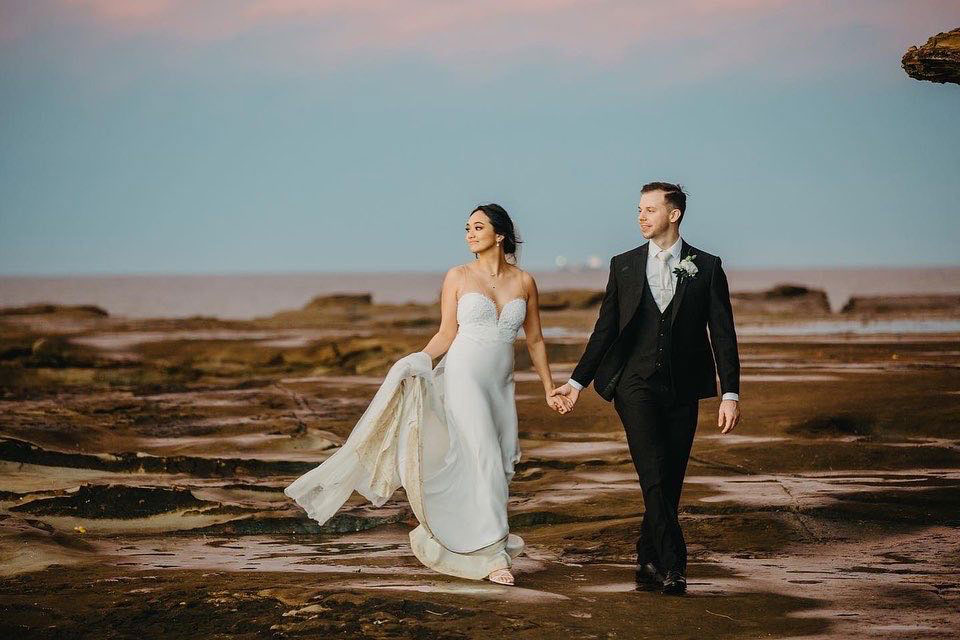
(501, 576)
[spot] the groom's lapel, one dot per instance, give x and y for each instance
(681, 286)
(636, 276)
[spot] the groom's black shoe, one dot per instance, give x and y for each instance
(648, 577)
(674, 583)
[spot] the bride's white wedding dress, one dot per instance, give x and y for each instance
(448, 436)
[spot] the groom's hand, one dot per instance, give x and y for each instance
(569, 392)
(558, 403)
(729, 415)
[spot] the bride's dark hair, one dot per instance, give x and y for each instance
(502, 225)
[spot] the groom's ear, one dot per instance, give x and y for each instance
(675, 216)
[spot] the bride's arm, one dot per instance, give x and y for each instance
(537, 347)
(443, 338)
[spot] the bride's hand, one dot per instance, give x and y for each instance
(568, 393)
(560, 404)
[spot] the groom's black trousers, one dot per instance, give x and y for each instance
(659, 434)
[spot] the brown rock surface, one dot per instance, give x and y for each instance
(569, 299)
(937, 61)
(352, 312)
(60, 309)
(903, 303)
(339, 300)
(52, 318)
(784, 299)
(113, 501)
(143, 497)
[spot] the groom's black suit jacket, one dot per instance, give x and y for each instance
(699, 302)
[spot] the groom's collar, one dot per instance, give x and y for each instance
(674, 250)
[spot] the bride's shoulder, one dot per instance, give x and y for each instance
(457, 269)
(526, 279)
(455, 275)
(525, 275)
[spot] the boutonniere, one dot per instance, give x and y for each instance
(686, 269)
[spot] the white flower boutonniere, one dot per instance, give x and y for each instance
(686, 269)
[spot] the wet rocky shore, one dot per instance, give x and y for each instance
(143, 463)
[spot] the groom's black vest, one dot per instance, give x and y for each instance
(679, 343)
(648, 352)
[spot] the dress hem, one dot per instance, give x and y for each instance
(475, 565)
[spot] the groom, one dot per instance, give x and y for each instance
(649, 353)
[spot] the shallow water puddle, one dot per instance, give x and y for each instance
(569, 450)
(339, 381)
(309, 447)
(735, 438)
(815, 489)
(852, 326)
(255, 553)
(854, 576)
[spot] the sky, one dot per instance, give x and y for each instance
(175, 136)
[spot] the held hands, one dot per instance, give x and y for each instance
(559, 404)
(729, 416)
(566, 395)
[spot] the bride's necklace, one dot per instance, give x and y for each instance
(493, 276)
(493, 281)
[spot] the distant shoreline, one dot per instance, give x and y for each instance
(249, 295)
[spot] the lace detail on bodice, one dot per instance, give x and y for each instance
(477, 316)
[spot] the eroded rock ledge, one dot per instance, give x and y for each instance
(782, 299)
(937, 61)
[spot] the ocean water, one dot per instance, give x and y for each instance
(244, 296)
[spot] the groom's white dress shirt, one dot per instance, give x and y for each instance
(660, 277)
(663, 284)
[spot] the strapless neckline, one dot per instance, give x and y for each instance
(497, 312)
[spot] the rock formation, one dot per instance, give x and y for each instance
(569, 299)
(937, 61)
(47, 309)
(783, 299)
(914, 303)
(339, 300)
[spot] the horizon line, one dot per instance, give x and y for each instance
(729, 268)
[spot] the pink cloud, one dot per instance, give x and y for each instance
(124, 11)
(713, 34)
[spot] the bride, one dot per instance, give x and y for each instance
(448, 434)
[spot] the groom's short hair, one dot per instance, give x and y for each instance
(673, 195)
